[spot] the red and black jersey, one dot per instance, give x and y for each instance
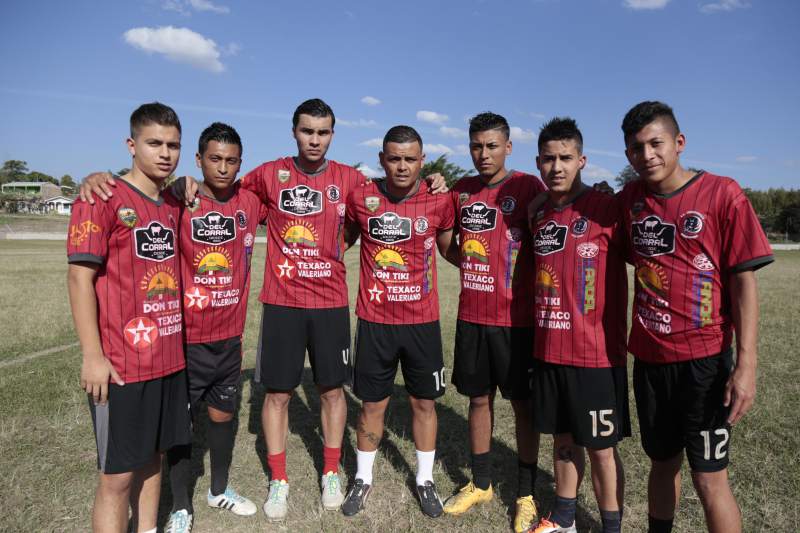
(581, 287)
(134, 240)
(684, 246)
(494, 240)
(398, 252)
(305, 232)
(216, 248)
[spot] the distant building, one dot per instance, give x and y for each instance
(59, 204)
(42, 189)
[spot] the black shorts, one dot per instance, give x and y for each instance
(680, 406)
(489, 357)
(286, 334)
(591, 404)
(139, 420)
(379, 347)
(214, 370)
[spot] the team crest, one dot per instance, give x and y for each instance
(127, 216)
(579, 226)
(691, 224)
(463, 197)
(637, 207)
(333, 194)
(652, 237)
(241, 219)
(507, 205)
(421, 225)
(284, 175)
(372, 203)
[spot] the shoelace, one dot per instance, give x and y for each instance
(358, 490)
(276, 491)
(180, 521)
(233, 495)
(333, 482)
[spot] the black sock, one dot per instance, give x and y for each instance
(657, 525)
(526, 479)
(220, 445)
(564, 512)
(481, 475)
(179, 459)
(612, 521)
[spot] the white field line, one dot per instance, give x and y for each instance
(35, 355)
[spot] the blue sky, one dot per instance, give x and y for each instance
(74, 70)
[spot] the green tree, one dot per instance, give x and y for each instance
(13, 170)
(450, 171)
(68, 185)
(39, 177)
(625, 175)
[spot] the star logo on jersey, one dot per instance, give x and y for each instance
(285, 269)
(375, 293)
(141, 332)
(156, 242)
(301, 201)
(213, 228)
(389, 228)
(550, 238)
(196, 298)
(127, 216)
(478, 217)
(79, 232)
(652, 236)
(372, 203)
(284, 175)
(691, 224)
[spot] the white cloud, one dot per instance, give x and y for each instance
(432, 116)
(177, 44)
(369, 172)
(370, 101)
(746, 159)
(645, 4)
(184, 7)
(520, 135)
(372, 143)
(206, 5)
(360, 123)
(231, 49)
(455, 133)
(438, 149)
(461, 149)
(594, 173)
(723, 6)
(607, 153)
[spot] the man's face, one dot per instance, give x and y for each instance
(560, 163)
(402, 163)
(654, 151)
(156, 150)
(313, 136)
(489, 150)
(220, 163)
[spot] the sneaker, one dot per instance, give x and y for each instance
(525, 515)
(465, 498)
(429, 500)
(232, 501)
(179, 522)
(332, 496)
(275, 507)
(546, 526)
(356, 498)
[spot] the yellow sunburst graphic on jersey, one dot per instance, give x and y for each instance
(159, 282)
(213, 262)
(652, 277)
(299, 233)
(476, 249)
(390, 258)
(546, 281)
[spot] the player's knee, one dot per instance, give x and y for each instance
(278, 400)
(117, 484)
(372, 410)
(709, 485)
(480, 402)
(668, 468)
(603, 457)
(423, 407)
(331, 396)
(219, 416)
(522, 408)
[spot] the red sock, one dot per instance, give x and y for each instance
(331, 459)
(277, 465)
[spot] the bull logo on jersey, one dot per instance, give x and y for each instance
(389, 228)
(478, 217)
(550, 238)
(301, 200)
(214, 228)
(691, 224)
(652, 237)
(155, 242)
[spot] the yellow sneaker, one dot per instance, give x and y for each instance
(465, 498)
(525, 515)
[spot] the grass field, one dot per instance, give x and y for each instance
(47, 452)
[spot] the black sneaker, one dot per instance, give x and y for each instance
(429, 500)
(357, 498)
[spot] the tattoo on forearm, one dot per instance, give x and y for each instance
(565, 454)
(370, 436)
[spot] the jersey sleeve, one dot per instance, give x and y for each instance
(255, 182)
(744, 244)
(88, 234)
(351, 212)
(448, 213)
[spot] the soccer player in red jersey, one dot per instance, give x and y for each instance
(124, 287)
(696, 243)
(217, 234)
(580, 389)
(494, 331)
(400, 226)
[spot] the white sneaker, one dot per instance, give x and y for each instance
(179, 522)
(332, 496)
(276, 506)
(232, 501)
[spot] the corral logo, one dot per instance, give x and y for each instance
(652, 237)
(389, 228)
(155, 242)
(214, 228)
(478, 217)
(301, 200)
(550, 238)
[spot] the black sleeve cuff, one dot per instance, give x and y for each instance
(85, 258)
(753, 264)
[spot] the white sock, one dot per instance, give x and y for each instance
(365, 460)
(425, 466)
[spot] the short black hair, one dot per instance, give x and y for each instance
(646, 112)
(489, 121)
(222, 133)
(314, 107)
(402, 134)
(561, 129)
(153, 113)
